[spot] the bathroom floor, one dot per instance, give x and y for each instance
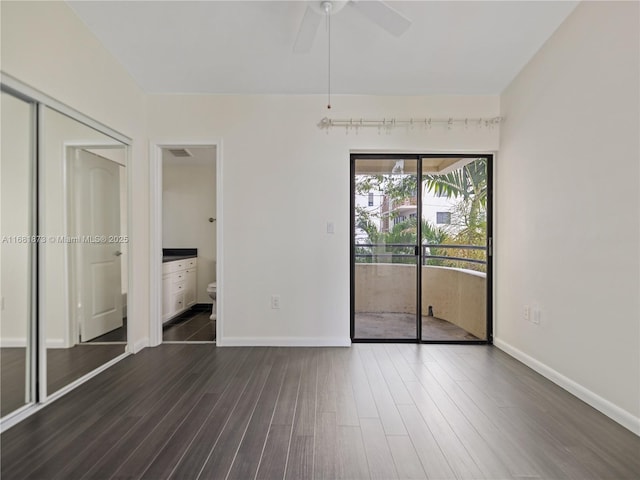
(191, 326)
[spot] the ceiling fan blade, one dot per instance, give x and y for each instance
(383, 15)
(307, 31)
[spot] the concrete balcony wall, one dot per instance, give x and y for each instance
(385, 287)
(457, 295)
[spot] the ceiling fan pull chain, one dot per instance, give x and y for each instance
(328, 10)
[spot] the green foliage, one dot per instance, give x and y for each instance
(397, 187)
(433, 235)
(469, 216)
(468, 183)
(364, 222)
(405, 233)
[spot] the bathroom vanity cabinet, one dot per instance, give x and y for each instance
(178, 287)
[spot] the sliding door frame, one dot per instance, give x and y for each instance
(489, 157)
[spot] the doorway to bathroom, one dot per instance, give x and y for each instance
(189, 237)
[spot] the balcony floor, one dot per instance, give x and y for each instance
(403, 325)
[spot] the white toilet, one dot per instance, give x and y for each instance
(211, 290)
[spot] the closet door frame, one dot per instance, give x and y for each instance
(36, 363)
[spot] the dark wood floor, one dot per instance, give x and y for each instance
(12, 379)
(64, 365)
(192, 326)
(371, 411)
(403, 325)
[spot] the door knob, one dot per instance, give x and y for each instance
(118, 253)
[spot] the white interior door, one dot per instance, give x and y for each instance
(98, 257)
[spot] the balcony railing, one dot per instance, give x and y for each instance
(454, 286)
(411, 252)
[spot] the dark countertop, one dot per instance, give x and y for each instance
(172, 254)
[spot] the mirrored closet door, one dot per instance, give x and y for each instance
(83, 213)
(64, 257)
(17, 217)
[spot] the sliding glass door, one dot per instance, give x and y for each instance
(454, 247)
(420, 249)
(385, 264)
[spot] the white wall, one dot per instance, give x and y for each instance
(188, 201)
(568, 209)
(45, 45)
(283, 180)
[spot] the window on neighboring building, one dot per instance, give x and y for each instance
(399, 219)
(443, 218)
(371, 199)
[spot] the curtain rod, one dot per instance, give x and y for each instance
(427, 122)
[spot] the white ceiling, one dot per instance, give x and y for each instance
(246, 47)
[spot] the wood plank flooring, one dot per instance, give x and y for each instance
(64, 365)
(13, 363)
(192, 326)
(381, 411)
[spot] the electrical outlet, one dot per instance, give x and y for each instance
(526, 313)
(331, 227)
(275, 301)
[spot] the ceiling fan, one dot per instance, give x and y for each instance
(378, 11)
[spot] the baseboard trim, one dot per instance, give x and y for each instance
(19, 415)
(611, 410)
(140, 344)
(284, 342)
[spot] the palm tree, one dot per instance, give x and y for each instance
(405, 232)
(469, 184)
(432, 234)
